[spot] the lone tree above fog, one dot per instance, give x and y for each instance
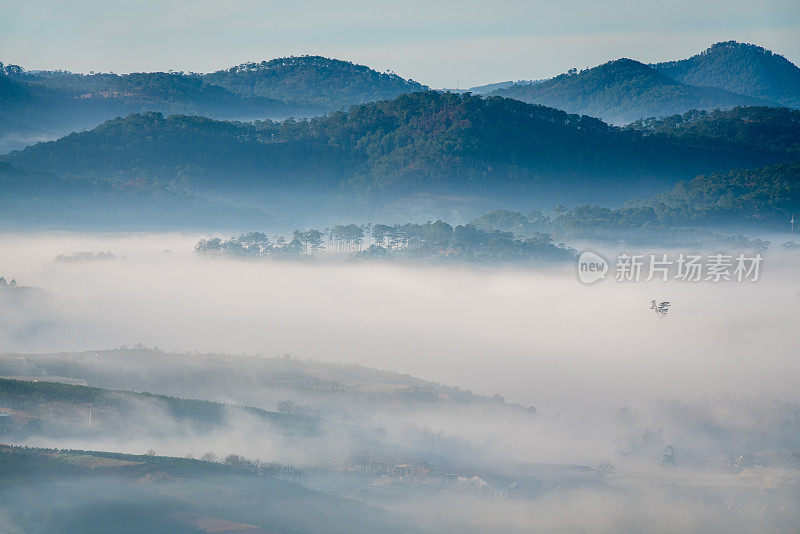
(661, 309)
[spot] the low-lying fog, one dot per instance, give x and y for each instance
(538, 337)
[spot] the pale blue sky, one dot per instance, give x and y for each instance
(437, 43)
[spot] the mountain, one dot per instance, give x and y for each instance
(329, 84)
(29, 113)
(622, 91)
(44, 105)
(434, 145)
(741, 68)
(41, 105)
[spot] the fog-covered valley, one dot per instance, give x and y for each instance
(596, 416)
(495, 330)
(302, 267)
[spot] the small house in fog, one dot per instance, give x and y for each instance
(403, 471)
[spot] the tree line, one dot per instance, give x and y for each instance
(430, 240)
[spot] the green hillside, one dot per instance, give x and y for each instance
(742, 68)
(312, 81)
(768, 128)
(78, 491)
(49, 104)
(622, 91)
(424, 143)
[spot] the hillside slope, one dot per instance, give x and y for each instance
(622, 91)
(48, 104)
(80, 491)
(312, 81)
(768, 128)
(441, 145)
(742, 68)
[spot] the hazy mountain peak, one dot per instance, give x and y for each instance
(723, 46)
(621, 91)
(624, 70)
(742, 68)
(306, 61)
(318, 80)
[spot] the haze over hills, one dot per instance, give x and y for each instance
(399, 154)
(35, 200)
(690, 215)
(440, 145)
(345, 302)
(46, 104)
(112, 492)
(743, 68)
(39, 105)
(622, 91)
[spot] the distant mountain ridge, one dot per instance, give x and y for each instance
(726, 75)
(37, 105)
(328, 83)
(623, 91)
(742, 68)
(42, 104)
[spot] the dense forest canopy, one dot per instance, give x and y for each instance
(739, 200)
(768, 196)
(765, 127)
(431, 241)
(429, 142)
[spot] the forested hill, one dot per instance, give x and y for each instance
(742, 68)
(312, 80)
(767, 197)
(42, 104)
(623, 91)
(708, 211)
(281, 86)
(50, 104)
(765, 127)
(424, 143)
